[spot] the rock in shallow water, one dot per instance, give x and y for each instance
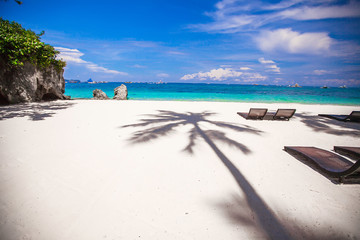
(99, 95)
(121, 92)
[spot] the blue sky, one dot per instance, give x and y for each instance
(309, 42)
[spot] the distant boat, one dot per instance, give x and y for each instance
(324, 87)
(344, 86)
(296, 85)
(91, 81)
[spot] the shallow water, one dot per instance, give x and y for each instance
(221, 92)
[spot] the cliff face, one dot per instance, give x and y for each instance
(28, 84)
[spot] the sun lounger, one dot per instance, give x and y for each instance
(261, 113)
(328, 163)
(254, 113)
(351, 152)
(354, 116)
(284, 114)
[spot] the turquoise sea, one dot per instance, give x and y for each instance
(221, 92)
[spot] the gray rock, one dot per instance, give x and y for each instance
(29, 83)
(121, 92)
(99, 95)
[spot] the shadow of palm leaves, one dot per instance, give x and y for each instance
(166, 121)
(214, 135)
(330, 126)
(34, 111)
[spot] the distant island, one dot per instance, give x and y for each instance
(72, 81)
(90, 81)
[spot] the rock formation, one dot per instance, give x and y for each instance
(99, 95)
(121, 92)
(29, 83)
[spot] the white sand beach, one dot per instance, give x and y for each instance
(90, 170)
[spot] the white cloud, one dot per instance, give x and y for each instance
(321, 72)
(245, 68)
(226, 24)
(233, 16)
(219, 74)
(175, 53)
(222, 74)
(163, 75)
(138, 66)
(74, 56)
(287, 40)
(273, 68)
(263, 61)
(270, 65)
(224, 3)
(140, 44)
(226, 66)
(282, 4)
(252, 77)
(97, 68)
(352, 9)
(70, 55)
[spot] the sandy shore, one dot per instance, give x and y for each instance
(88, 170)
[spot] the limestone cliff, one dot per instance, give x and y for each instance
(29, 83)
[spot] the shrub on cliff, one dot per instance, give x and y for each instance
(18, 45)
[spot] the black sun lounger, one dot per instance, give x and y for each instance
(328, 163)
(284, 114)
(254, 113)
(354, 116)
(351, 152)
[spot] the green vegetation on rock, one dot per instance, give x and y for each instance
(18, 45)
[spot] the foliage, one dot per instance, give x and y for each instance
(18, 45)
(17, 1)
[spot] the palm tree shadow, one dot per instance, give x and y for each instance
(165, 122)
(37, 111)
(330, 126)
(235, 209)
